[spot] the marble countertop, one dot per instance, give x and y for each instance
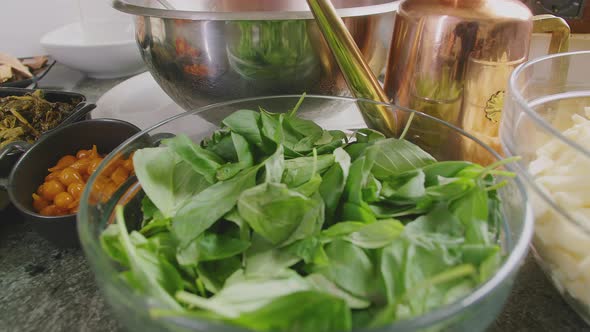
(43, 288)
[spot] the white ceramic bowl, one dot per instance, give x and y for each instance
(101, 49)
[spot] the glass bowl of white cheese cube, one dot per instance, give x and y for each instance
(546, 121)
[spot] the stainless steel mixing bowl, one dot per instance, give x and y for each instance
(204, 51)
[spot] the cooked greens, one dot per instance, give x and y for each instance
(25, 118)
(275, 224)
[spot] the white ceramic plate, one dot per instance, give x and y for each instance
(138, 100)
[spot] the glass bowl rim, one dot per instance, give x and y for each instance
(552, 131)
(98, 257)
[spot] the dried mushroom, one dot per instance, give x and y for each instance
(25, 118)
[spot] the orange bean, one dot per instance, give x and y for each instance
(75, 189)
(63, 162)
(52, 175)
(94, 153)
(83, 154)
(81, 165)
(51, 210)
(128, 164)
(51, 188)
(39, 203)
(63, 200)
(69, 175)
(93, 165)
(74, 204)
(120, 175)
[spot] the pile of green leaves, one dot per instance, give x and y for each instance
(275, 224)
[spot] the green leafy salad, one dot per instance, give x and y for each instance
(274, 224)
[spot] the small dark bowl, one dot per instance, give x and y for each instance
(12, 152)
(31, 169)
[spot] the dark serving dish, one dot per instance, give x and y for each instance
(11, 152)
(37, 76)
(31, 169)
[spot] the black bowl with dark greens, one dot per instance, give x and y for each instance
(290, 217)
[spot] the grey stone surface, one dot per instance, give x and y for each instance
(43, 288)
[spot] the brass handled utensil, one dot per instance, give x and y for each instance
(361, 81)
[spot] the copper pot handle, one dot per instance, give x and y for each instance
(559, 29)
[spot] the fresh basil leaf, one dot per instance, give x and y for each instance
(149, 209)
(213, 246)
(366, 135)
(392, 156)
(228, 171)
(322, 284)
(164, 245)
(275, 166)
(446, 169)
(312, 222)
(303, 127)
(215, 273)
(155, 277)
(247, 124)
(264, 207)
(472, 211)
(222, 145)
(168, 181)
(341, 229)
(361, 212)
(311, 187)
(245, 155)
(368, 236)
(338, 140)
(276, 212)
(300, 170)
(450, 189)
(301, 311)
(245, 159)
(111, 244)
(155, 226)
(357, 179)
(310, 250)
(265, 259)
(358, 278)
(201, 160)
(205, 208)
(372, 190)
(334, 182)
(246, 295)
(376, 235)
(404, 188)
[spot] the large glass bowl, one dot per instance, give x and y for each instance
(472, 313)
(543, 96)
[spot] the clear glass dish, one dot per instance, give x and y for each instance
(471, 313)
(543, 97)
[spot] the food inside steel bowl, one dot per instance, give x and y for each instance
(201, 52)
(273, 223)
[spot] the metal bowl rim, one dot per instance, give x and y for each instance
(129, 8)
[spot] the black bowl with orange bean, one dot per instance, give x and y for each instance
(46, 183)
(60, 193)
